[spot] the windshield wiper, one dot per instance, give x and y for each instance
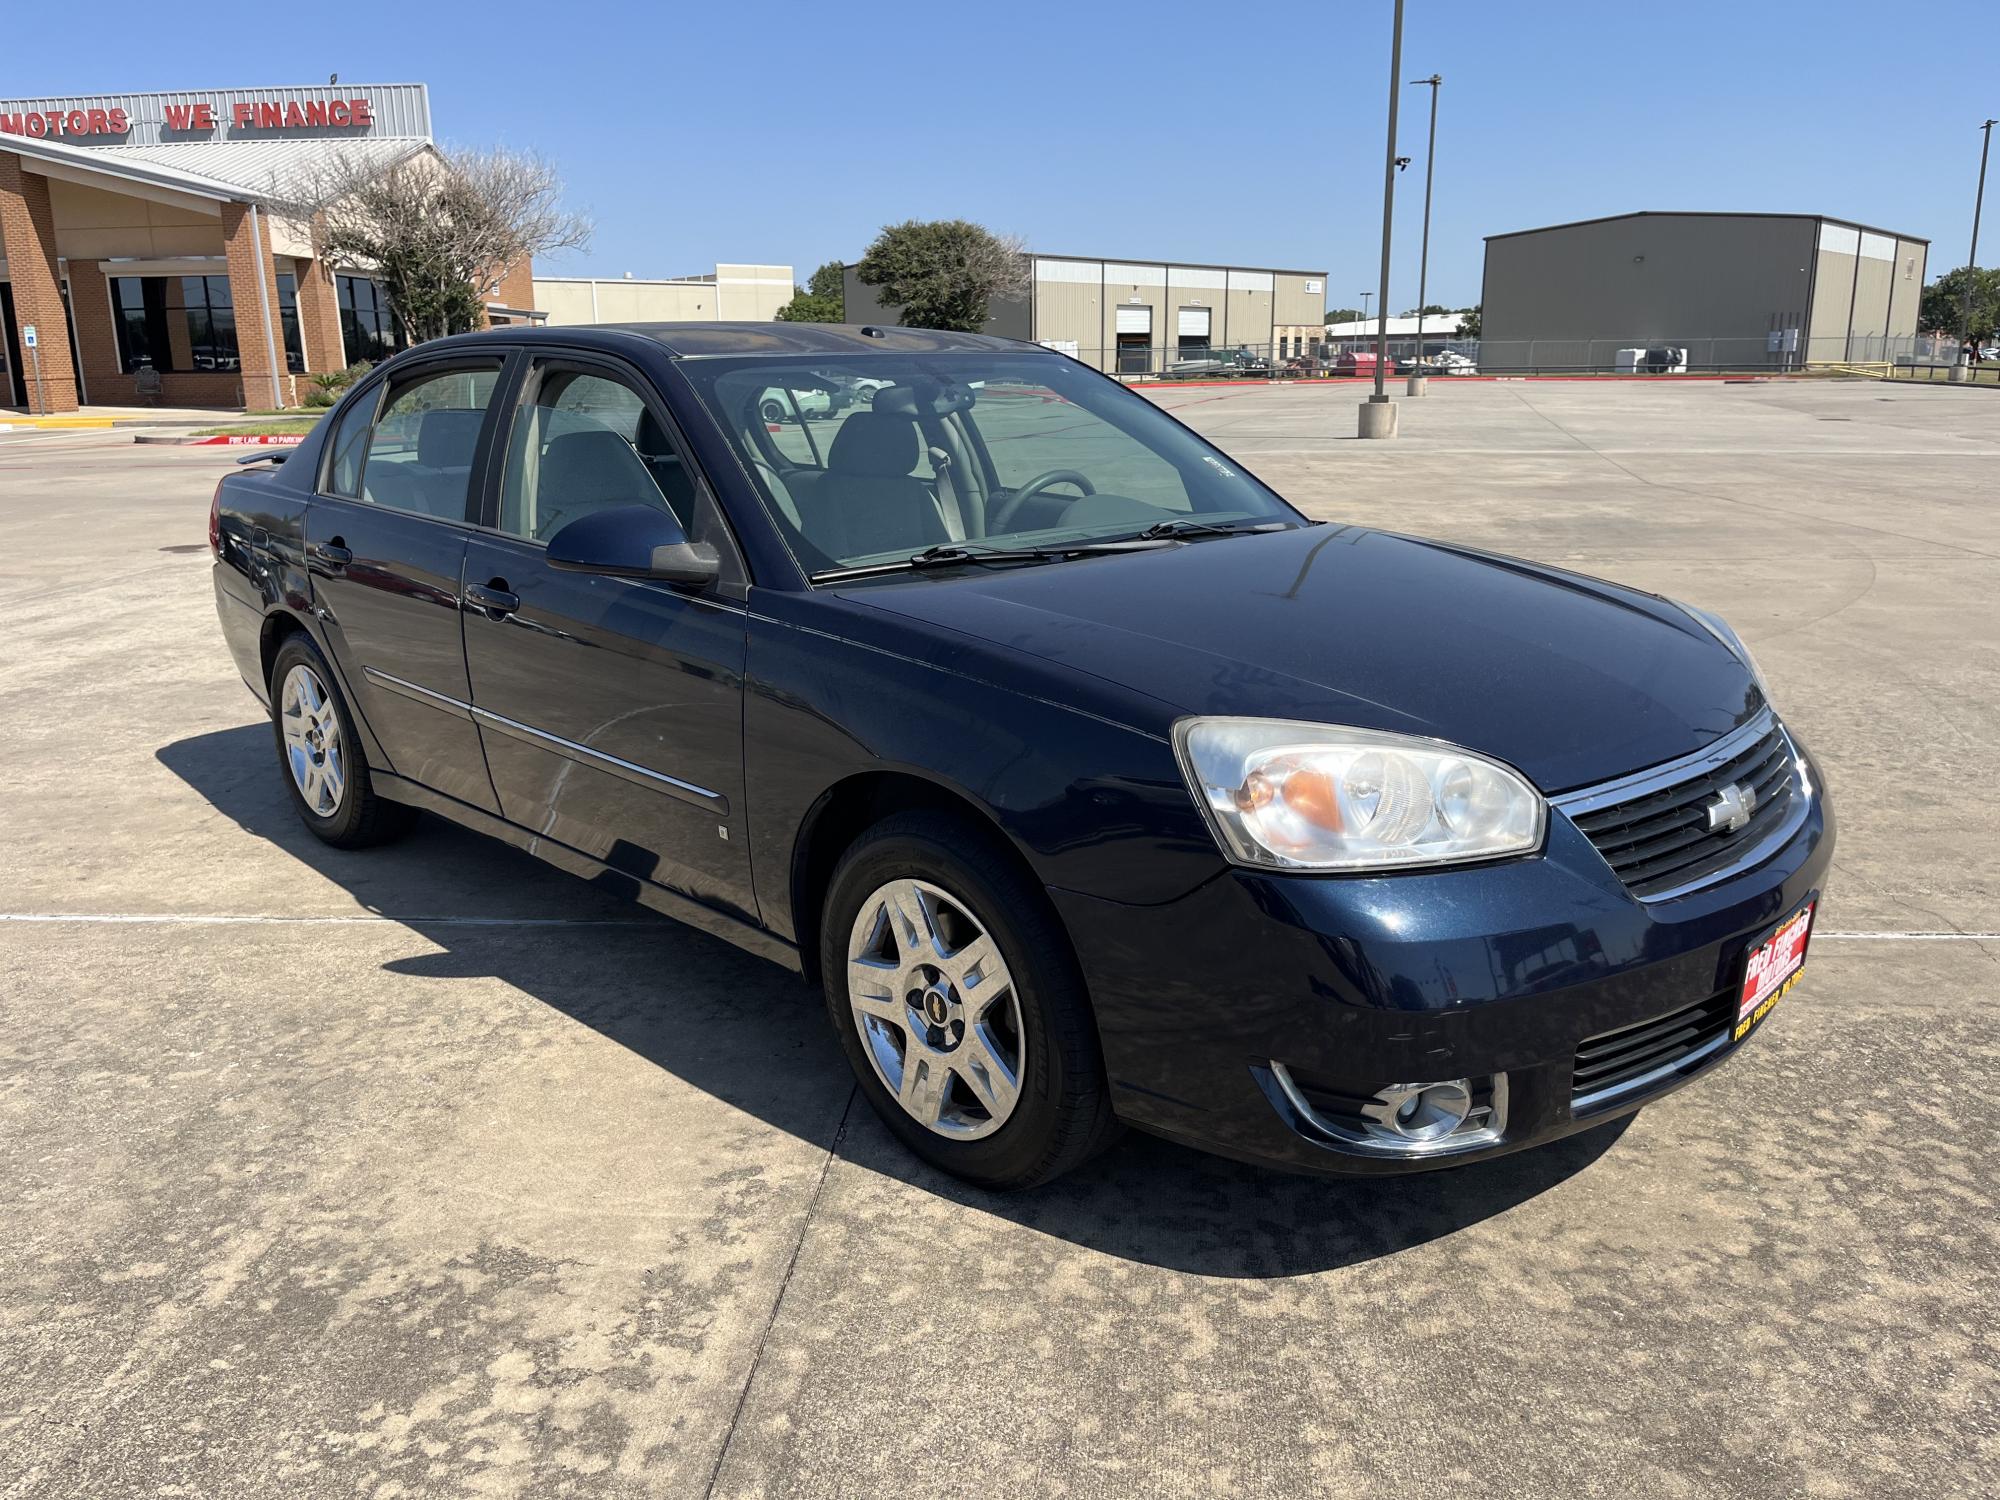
(1172, 530)
(957, 555)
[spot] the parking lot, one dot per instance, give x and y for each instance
(432, 1171)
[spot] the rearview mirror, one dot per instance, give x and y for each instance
(634, 541)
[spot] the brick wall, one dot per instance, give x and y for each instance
(28, 237)
(319, 317)
(243, 238)
(517, 286)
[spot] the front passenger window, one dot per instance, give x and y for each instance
(582, 444)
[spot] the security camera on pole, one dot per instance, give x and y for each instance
(1378, 412)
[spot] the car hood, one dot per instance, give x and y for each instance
(1569, 679)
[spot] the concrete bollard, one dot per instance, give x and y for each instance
(1378, 417)
(1418, 386)
(1960, 374)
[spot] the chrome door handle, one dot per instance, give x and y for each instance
(497, 602)
(332, 554)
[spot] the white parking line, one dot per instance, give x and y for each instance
(200, 919)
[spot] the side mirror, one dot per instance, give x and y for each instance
(634, 541)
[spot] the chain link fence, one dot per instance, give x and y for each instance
(1309, 359)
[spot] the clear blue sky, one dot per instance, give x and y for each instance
(791, 133)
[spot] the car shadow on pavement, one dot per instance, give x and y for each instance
(749, 1034)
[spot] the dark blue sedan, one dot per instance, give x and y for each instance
(1091, 781)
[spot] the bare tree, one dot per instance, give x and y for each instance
(440, 231)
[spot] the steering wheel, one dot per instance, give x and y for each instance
(1013, 503)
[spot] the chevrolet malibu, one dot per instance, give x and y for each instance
(1091, 782)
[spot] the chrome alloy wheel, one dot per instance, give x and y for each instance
(314, 751)
(936, 1009)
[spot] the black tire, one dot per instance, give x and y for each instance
(771, 412)
(1063, 1116)
(361, 817)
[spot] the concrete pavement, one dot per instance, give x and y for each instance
(430, 1171)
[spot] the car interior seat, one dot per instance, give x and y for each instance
(869, 500)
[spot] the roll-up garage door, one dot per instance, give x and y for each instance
(1135, 320)
(1194, 322)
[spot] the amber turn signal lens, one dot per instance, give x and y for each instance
(1313, 796)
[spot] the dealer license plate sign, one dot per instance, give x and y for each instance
(1773, 969)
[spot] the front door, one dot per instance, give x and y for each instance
(611, 708)
(385, 544)
(13, 382)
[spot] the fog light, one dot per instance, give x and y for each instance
(1419, 1111)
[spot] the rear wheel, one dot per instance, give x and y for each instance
(955, 995)
(321, 755)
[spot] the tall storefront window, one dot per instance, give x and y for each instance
(367, 322)
(288, 320)
(176, 324)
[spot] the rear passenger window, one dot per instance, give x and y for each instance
(350, 445)
(585, 443)
(420, 451)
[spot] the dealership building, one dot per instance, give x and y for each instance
(144, 256)
(1136, 317)
(1735, 291)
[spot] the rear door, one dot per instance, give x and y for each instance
(385, 542)
(611, 708)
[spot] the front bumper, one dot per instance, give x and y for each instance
(1351, 984)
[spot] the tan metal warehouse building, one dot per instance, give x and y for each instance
(1736, 291)
(1140, 317)
(731, 293)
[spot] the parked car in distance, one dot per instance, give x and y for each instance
(806, 405)
(1091, 781)
(1447, 362)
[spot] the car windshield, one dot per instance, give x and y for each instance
(867, 460)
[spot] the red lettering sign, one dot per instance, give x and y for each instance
(120, 123)
(361, 111)
(292, 116)
(177, 116)
(38, 124)
(315, 112)
(204, 117)
(12, 125)
(243, 116)
(337, 112)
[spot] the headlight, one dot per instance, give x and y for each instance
(1718, 627)
(1297, 796)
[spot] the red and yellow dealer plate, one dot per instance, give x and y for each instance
(1772, 969)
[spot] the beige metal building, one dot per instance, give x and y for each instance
(1736, 291)
(730, 293)
(1138, 317)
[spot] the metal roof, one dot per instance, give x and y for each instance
(123, 167)
(224, 171)
(267, 169)
(398, 109)
(1701, 213)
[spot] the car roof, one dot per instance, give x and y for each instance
(700, 340)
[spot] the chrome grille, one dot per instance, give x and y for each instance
(1654, 828)
(1632, 1058)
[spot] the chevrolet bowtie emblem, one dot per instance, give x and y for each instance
(1732, 807)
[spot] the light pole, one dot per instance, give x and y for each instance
(1378, 412)
(1364, 309)
(1972, 259)
(1416, 386)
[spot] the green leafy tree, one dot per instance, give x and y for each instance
(1343, 315)
(820, 300)
(943, 273)
(1428, 310)
(1468, 321)
(1943, 307)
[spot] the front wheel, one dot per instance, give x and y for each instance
(959, 1005)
